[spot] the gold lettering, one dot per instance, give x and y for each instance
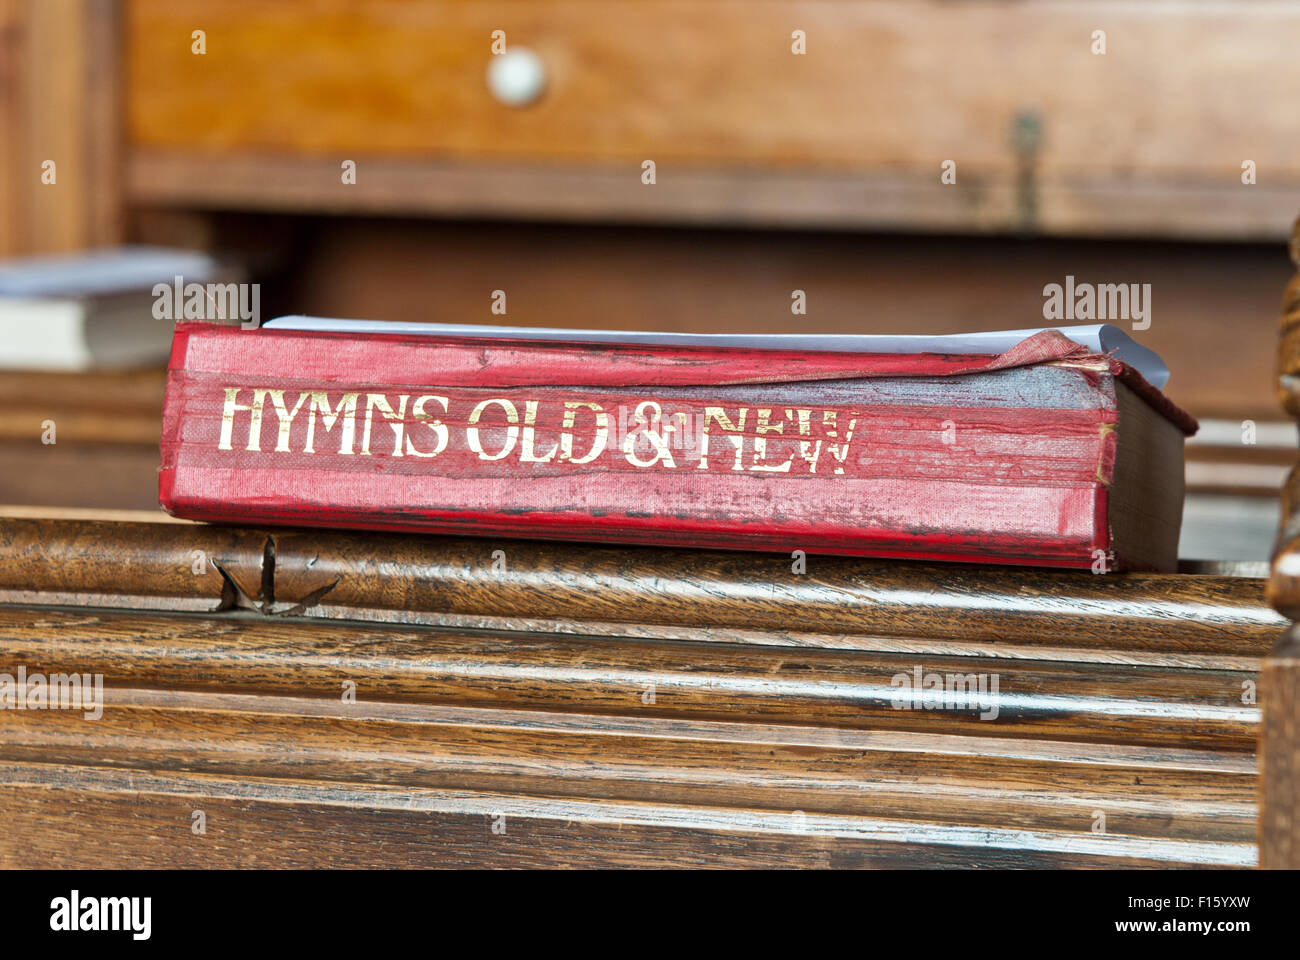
(526, 453)
(512, 432)
(228, 418)
(760, 444)
(809, 452)
(397, 420)
(719, 416)
(347, 406)
(437, 426)
(651, 428)
(839, 451)
(285, 418)
(598, 443)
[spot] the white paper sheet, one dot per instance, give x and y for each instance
(1099, 338)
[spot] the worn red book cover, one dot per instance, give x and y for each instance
(1001, 459)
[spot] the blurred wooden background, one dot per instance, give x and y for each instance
(775, 171)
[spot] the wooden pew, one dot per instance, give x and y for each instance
(341, 699)
(306, 698)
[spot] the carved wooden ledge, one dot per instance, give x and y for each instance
(1158, 620)
(620, 707)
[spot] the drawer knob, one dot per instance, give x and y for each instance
(516, 77)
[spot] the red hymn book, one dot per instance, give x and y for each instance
(1047, 453)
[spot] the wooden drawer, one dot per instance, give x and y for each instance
(1148, 138)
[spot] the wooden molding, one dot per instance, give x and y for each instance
(1137, 207)
(745, 741)
(843, 603)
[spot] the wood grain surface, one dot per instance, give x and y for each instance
(120, 407)
(1140, 619)
(1279, 757)
(106, 428)
(60, 100)
(240, 716)
(12, 230)
(144, 565)
(145, 820)
(603, 707)
(711, 681)
(1142, 139)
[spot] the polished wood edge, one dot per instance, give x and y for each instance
(949, 646)
(180, 565)
(1067, 752)
(1095, 702)
(529, 585)
(591, 758)
(825, 199)
(26, 512)
(448, 827)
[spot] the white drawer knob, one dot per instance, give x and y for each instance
(516, 77)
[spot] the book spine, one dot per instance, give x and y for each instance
(861, 467)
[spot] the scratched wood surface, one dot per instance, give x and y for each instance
(145, 819)
(709, 681)
(603, 707)
(1157, 620)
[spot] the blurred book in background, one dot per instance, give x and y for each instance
(98, 309)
